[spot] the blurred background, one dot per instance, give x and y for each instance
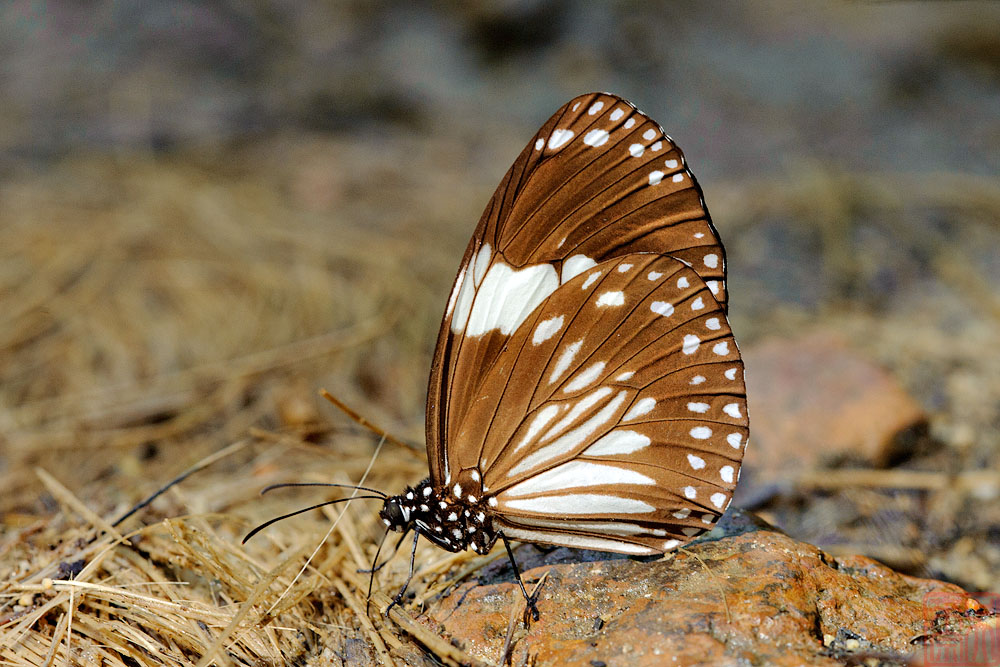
(210, 210)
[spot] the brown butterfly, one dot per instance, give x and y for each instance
(586, 389)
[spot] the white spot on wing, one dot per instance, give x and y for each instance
(623, 268)
(565, 359)
(721, 349)
(559, 138)
(654, 275)
(713, 324)
(596, 138)
(713, 285)
(677, 178)
(584, 378)
(682, 513)
(730, 374)
(735, 440)
(576, 265)
(617, 114)
(690, 492)
(671, 544)
(682, 282)
(595, 107)
(700, 408)
(711, 260)
(697, 463)
(575, 474)
(611, 299)
(636, 150)
(733, 410)
(718, 499)
(697, 304)
(546, 329)
(726, 473)
(697, 379)
(629, 123)
(701, 433)
(618, 442)
(691, 343)
(671, 164)
(655, 177)
(539, 143)
(649, 134)
(664, 308)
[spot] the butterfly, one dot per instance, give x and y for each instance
(586, 389)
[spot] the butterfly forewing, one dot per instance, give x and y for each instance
(599, 180)
(615, 416)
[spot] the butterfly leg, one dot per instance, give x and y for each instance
(530, 609)
(398, 597)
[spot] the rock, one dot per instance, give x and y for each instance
(813, 401)
(753, 596)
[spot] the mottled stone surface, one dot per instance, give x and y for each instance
(755, 596)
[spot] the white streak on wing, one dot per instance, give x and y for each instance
(580, 503)
(627, 375)
(611, 299)
(591, 279)
(609, 527)
(617, 443)
(581, 406)
(455, 290)
(466, 295)
(537, 424)
(565, 359)
(571, 440)
(482, 263)
(574, 474)
(585, 378)
(546, 329)
(506, 297)
(640, 408)
(578, 541)
(576, 265)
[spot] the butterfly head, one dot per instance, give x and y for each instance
(395, 514)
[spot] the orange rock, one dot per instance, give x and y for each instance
(754, 598)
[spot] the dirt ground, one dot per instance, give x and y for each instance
(206, 216)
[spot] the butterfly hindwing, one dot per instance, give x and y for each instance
(599, 180)
(615, 415)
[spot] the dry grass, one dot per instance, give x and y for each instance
(157, 312)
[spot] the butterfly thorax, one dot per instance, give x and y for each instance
(451, 522)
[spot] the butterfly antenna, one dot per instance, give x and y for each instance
(364, 423)
(267, 489)
(303, 511)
